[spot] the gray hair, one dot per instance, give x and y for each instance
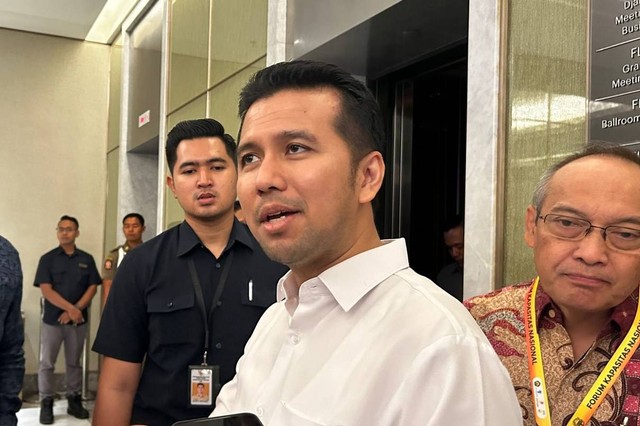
(594, 148)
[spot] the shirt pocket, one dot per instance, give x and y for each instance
(84, 275)
(258, 294)
(58, 276)
(172, 317)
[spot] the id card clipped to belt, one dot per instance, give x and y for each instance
(204, 384)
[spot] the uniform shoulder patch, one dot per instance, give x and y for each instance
(108, 264)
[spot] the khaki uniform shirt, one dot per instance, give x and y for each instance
(112, 261)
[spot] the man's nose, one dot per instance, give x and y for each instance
(204, 177)
(593, 248)
(270, 174)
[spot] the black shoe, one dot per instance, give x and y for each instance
(75, 407)
(46, 411)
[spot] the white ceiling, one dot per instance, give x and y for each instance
(64, 18)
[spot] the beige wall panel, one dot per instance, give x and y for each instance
(112, 226)
(546, 108)
(238, 38)
(115, 95)
(53, 111)
(223, 99)
(144, 96)
(113, 142)
(189, 49)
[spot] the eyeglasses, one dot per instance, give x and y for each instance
(574, 229)
(59, 229)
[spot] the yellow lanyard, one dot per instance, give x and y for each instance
(600, 387)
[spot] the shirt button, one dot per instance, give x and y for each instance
(295, 339)
(170, 304)
(259, 411)
(219, 303)
(218, 265)
(218, 345)
(552, 313)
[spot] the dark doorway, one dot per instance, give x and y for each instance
(425, 110)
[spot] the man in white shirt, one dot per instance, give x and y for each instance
(360, 338)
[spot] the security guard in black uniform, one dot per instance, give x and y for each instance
(186, 301)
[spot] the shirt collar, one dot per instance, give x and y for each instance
(187, 238)
(543, 303)
(625, 312)
(352, 279)
(61, 251)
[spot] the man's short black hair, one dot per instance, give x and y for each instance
(453, 222)
(136, 215)
(70, 218)
(359, 121)
(192, 129)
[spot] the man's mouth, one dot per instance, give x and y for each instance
(587, 279)
(271, 215)
(276, 216)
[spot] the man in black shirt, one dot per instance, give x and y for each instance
(68, 279)
(186, 301)
(450, 277)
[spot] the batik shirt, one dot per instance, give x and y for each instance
(500, 316)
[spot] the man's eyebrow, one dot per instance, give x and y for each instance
(194, 163)
(297, 134)
(282, 136)
(246, 146)
(561, 210)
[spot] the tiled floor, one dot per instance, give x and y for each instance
(30, 412)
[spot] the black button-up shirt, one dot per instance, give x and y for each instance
(69, 275)
(152, 314)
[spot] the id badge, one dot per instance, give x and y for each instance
(204, 384)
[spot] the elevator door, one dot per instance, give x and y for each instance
(425, 111)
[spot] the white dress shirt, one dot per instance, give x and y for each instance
(370, 342)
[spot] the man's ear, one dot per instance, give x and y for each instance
(530, 228)
(371, 174)
(171, 185)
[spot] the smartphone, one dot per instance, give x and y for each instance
(239, 419)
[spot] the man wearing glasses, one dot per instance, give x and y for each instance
(569, 336)
(68, 278)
